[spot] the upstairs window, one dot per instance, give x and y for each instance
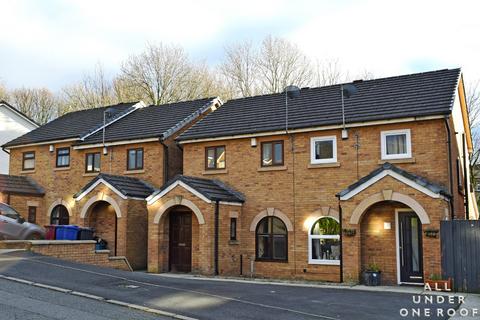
(272, 153)
(215, 158)
(63, 157)
(135, 159)
(28, 160)
(396, 144)
(323, 150)
(92, 162)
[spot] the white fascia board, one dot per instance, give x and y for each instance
(216, 102)
(321, 128)
(116, 143)
(238, 204)
(83, 194)
(151, 200)
(41, 143)
(21, 115)
(395, 175)
(136, 106)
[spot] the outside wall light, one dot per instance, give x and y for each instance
(387, 226)
(51, 148)
(253, 142)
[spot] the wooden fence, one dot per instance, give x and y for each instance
(460, 241)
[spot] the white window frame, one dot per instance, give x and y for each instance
(383, 139)
(311, 237)
(313, 140)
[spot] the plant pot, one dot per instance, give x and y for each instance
(440, 285)
(372, 278)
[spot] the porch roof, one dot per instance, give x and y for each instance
(387, 168)
(209, 189)
(125, 187)
(20, 185)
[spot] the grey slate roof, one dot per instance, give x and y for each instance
(70, 125)
(436, 188)
(212, 189)
(20, 185)
(421, 94)
(128, 186)
(149, 122)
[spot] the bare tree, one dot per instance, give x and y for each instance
(240, 69)
(3, 92)
(94, 90)
(473, 106)
(329, 72)
(365, 75)
(38, 104)
(281, 63)
(160, 72)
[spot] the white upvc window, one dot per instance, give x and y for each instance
(396, 144)
(323, 149)
(324, 242)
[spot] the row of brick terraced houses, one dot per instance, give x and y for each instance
(234, 189)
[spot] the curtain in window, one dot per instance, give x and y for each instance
(396, 144)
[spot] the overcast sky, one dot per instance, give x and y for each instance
(51, 43)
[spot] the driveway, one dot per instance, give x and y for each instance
(210, 299)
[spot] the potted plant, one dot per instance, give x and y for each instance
(372, 276)
(436, 283)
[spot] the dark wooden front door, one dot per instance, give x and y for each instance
(410, 246)
(180, 241)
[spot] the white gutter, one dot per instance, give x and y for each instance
(321, 128)
(115, 143)
(41, 143)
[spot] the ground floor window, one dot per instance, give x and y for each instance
(324, 241)
(271, 239)
(59, 215)
(32, 214)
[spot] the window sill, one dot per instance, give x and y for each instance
(91, 174)
(216, 171)
(401, 160)
(271, 260)
(134, 171)
(234, 242)
(27, 171)
(272, 168)
(324, 165)
(61, 169)
(325, 262)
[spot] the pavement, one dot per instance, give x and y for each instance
(203, 298)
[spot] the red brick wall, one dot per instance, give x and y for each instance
(377, 244)
(79, 252)
(102, 218)
(299, 189)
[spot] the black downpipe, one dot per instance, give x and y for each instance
(450, 169)
(215, 249)
(165, 162)
(116, 234)
(465, 180)
(340, 218)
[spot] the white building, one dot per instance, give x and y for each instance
(13, 124)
